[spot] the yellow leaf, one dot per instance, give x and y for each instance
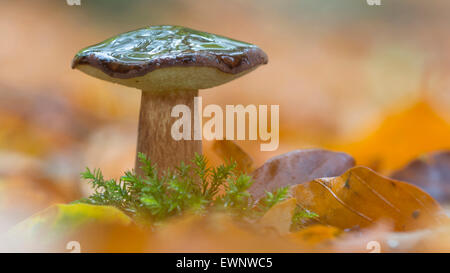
(61, 219)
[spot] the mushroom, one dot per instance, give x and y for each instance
(169, 64)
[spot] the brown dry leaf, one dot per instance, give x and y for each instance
(297, 167)
(361, 197)
(279, 217)
(227, 149)
(430, 172)
(400, 138)
(315, 234)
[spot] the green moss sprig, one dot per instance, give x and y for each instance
(194, 188)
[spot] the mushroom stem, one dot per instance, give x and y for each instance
(154, 133)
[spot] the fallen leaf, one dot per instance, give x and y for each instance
(430, 172)
(297, 167)
(360, 197)
(279, 217)
(227, 149)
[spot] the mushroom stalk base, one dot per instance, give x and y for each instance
(154, 133)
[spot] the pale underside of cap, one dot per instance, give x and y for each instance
(170, 78)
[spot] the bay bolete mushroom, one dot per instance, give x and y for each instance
(169, 64)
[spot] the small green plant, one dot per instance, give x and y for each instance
(189, 188)
(302, 217)
(271, 199)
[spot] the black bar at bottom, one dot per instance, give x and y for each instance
(223, 262)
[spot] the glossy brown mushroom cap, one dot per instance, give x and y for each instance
(169, 57)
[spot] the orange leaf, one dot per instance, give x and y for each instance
(361, 197)
(401, 137)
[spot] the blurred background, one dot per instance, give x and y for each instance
(370, 81)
